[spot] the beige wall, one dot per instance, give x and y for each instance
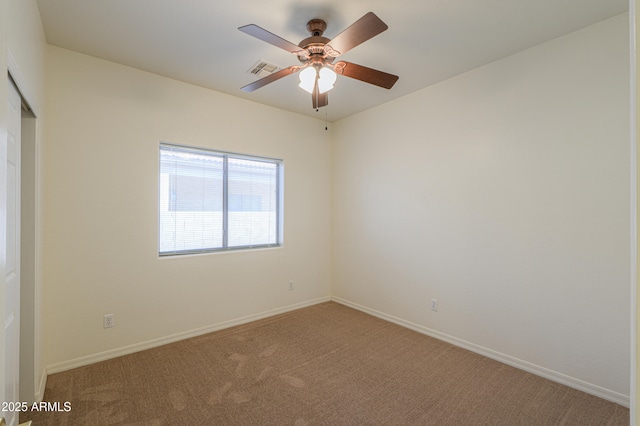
(104, 125)
(504, 194)
(26, 43)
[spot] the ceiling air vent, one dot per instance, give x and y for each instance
(263, 68)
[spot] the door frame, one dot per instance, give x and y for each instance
(33, 374)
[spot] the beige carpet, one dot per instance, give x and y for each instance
(323, 365)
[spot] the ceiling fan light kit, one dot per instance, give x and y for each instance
(318, 72)
(324, 78)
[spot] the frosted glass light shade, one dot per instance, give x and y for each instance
(308, 79)
(327, 78)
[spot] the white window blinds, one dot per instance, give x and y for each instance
(216, 201)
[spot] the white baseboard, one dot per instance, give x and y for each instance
(555, 376)
(137, 347)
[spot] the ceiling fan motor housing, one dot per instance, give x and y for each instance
(316, 27)
(314, 46)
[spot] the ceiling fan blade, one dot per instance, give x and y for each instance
(323, 99)
(314, 96)
(319, 99)
(360, 31)
(264, 35)
(368, 75)
(270, 78)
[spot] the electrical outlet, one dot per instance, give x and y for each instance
(109, 321)
(290, 285)
(434, 305)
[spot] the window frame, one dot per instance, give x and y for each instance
(226, 155)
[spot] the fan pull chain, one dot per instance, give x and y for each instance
(326, 126)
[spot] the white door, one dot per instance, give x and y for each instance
(12, 268)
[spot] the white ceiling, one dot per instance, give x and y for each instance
(197, 41)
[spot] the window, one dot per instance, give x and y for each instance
(212, 201)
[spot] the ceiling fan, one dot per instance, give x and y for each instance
(317, 55)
